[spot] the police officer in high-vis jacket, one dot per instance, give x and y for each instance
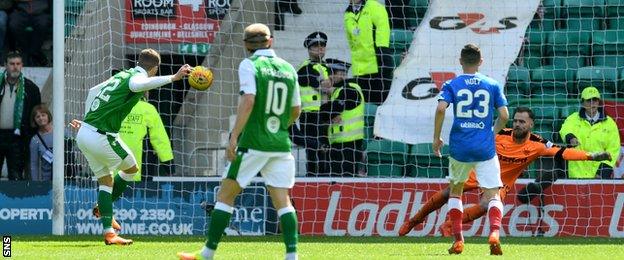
(345, 111)
(310, 133)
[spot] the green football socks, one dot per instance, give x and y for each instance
(220, 219)
(288, 220)
(105, 204)
(119, 186)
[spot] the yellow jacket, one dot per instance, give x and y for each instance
(601, 136)
(144, 118)
(366, 30)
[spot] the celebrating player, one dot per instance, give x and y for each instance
(107, 105)
(474, 97)
(270, 103)
(517, 148)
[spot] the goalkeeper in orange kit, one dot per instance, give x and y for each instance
(516, 149)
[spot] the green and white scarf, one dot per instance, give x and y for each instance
(18, 109)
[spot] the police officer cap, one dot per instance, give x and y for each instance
(337, 65)
(315, 38)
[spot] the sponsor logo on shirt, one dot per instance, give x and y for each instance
(474, 125)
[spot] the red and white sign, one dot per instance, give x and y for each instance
(176, 21)
(498, 27)
(356, 207)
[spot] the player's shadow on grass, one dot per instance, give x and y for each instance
(68, 245)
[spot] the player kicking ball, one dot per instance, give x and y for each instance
(517, 148)
(107, 105)
(260, 141)
(474, 97)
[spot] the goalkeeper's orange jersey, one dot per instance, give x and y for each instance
(514, 158)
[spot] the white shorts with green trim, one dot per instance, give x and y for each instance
(488, 172)
(105, 153)
(277, 168)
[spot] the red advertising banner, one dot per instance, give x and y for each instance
(616, 111)
(176, 21)
(361, 208)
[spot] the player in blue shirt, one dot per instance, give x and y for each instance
(474, 97)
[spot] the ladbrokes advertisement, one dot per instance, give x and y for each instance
(570, 208)
(336, 207)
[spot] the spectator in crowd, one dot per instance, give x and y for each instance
(18, 97)
(345, 110)
(368, 33)
(41, 156)
(144, 119)
(591, 129)
(285, 6)
(30, 24)
(5, 8)
(310, 133)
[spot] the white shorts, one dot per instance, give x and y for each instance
(488, 172)
(105, 153)
(277, 168)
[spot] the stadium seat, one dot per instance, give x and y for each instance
(565, 111)
(549, 81)
(387, 151)
(567, 62)
(401, 39)
(583, 8)
(517, 86)
(386, 158)
(552, 8)
(546, 120)
(420, 6)
(615, 24)
(546, 131)
(369, 120)
(615, 8)
(582, 24)
(534, 41)
(615, 61)
(608, 42)
(568, 42)
(603, 78)
(427, 165)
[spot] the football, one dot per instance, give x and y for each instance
(200, 78)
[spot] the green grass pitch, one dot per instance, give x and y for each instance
(271, 247)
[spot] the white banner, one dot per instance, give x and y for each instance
(498, 27)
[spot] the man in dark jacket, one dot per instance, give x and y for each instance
(18, 96)
(345, 112)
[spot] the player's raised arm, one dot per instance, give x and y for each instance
(142, 82)
(571, 154)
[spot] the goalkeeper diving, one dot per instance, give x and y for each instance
(516, 148)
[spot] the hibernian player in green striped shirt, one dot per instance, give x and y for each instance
(260, 142)
(107, 105)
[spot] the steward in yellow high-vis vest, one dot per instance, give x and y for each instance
(591, 130)
(367, 29)
(310, 133)
(345, 110)
(144, 119)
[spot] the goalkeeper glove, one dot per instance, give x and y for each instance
(600, 156)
